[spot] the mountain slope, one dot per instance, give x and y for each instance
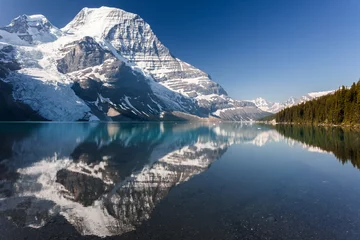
(107, 64)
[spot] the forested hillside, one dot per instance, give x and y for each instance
(342, 107)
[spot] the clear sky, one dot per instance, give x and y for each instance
(274, 49)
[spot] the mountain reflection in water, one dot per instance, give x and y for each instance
(106, 178)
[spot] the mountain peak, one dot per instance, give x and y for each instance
(260, 102)
(33, 29)
(37, 18)
(97, 22)
(291, 101)
(260, 99)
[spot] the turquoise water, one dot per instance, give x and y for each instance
(178, 181)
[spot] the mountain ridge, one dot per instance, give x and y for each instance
(275, 107)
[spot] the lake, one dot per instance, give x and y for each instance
(178, 181)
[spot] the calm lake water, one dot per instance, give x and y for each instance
(178, 181)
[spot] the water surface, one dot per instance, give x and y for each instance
(178, 181)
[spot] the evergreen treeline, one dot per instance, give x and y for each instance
(342, 107)
(344, 144)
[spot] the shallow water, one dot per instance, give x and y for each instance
(178, 181)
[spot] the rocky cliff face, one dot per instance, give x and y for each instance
(108, 64)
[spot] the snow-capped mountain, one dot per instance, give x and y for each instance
(33, 29)
(105, 64)
(274, 107)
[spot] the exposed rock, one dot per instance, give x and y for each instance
(83, 188)
(82, 54)
(8, 62)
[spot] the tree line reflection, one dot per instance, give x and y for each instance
(343, 143)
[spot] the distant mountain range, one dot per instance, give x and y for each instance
(274, 107)
(106, 64)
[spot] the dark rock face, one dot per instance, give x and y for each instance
(122, 83)
(3, 71)
(7, 67)
(7, 61)
(83, 54)
(84, 188)
(125, 82)
(87, 90)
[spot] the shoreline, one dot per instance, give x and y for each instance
(346, 126)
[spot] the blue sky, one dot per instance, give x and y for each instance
(274, 49)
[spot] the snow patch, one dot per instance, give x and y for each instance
(51, 99)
